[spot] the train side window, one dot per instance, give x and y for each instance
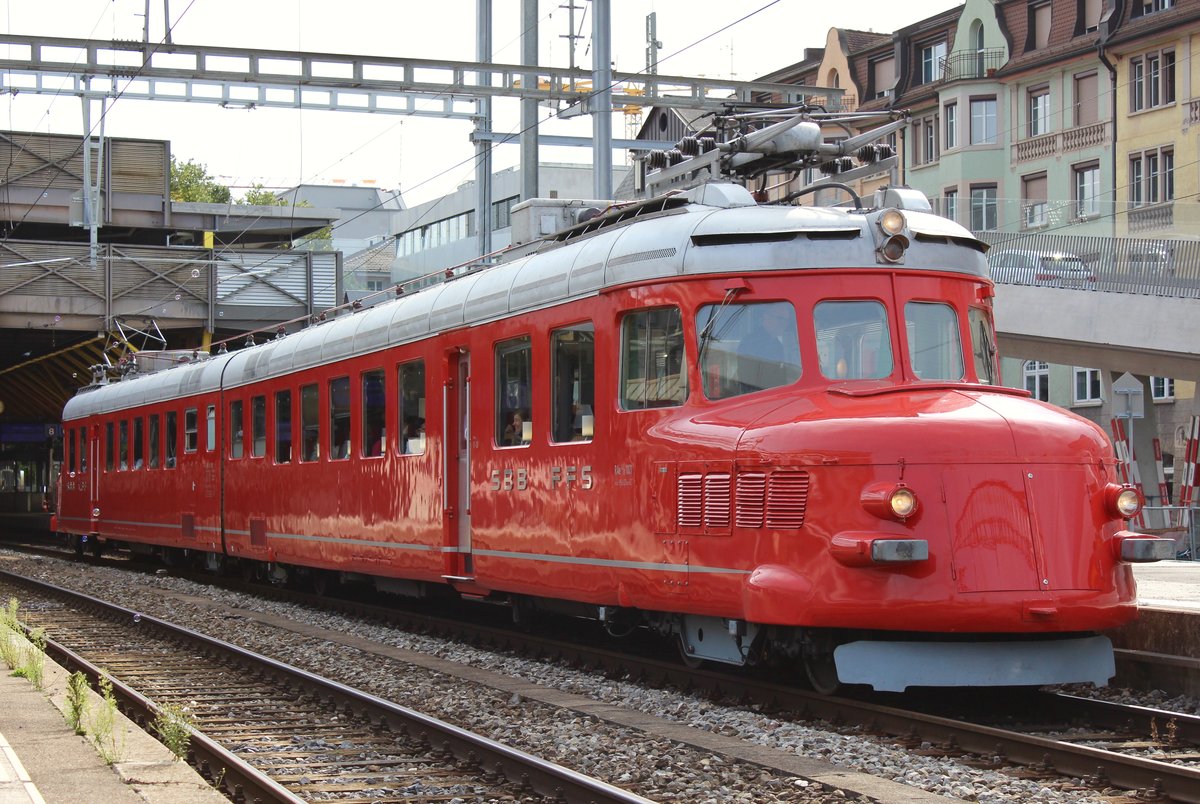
(747, 347)
(310, 423)
(983, 345)
(237, 432)
(123, 444)
(83, 446)
(374, 413)
(172, 439)
(283, 427)
(155, 440)
(853, 340)
(108, 446)
(514, 374)
(139, 445)
(71, 450)
(573, 383)
(210, 435)
(653, 371)
(934, 343)
(339, 419)
(412, 407)
(191, 437)
(258, 426)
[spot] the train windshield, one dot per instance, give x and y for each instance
(934, 346)
(853, 340)
(747, 347)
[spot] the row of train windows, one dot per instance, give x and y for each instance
(742, 348)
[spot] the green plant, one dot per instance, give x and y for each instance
(77, 702)
(174, 727)
(33, 658)
(109, 744)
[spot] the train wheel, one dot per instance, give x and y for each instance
(691, 661)
(822, 673)
(323, 582)
(97, 547)
(77, 544)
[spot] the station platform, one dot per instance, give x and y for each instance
(1161, 648)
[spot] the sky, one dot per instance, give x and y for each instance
(422, 157)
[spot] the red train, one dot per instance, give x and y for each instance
(766, 431)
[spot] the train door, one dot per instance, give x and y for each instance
(457, 493)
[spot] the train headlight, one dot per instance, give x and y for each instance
(889, 500)
(1123, 501)
(892, 222)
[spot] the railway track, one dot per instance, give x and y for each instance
(1149, 753)
(271, 732)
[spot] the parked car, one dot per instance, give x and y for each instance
(1053, 268)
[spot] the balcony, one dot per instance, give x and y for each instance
(1059, 142)
(962, 65)
(1191, 113)
(1156, 216)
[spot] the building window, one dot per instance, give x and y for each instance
(1087, 190)
(883, 77)
(502, 210)
(951, 204)
(1162, 389)
(983, 207)
(951, 138)
(927, 150)
(1039, 111)
(1152, 177)
(1088, 16)
(376, 282)
(1087, 99)
(1087, 386)
(1033, 200)
(653, 369)
(1037, 379)
(932, 58)
(983, 121)
(1152, 80)
(1039, 26)
(514, 384)
(573, 383)
(1143, 7)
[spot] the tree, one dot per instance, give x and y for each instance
(190, 182)
(258, 196)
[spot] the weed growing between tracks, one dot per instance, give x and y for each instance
(174, 728)
(24, 655)
(77, 702)
(109, 740)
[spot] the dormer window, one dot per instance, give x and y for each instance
(933, 57)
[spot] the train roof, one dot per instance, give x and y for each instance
(713, 229)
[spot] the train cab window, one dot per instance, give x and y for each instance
(258, 426)
(139, 445)
(412, 407)
(310, 424)
(374, 413)
(237, 432)
(573, 383)
(83, 449)
(283, 427)
(171, 444)
(514, 373)
(191, 436)
(653, 369)
(210, 435)
(123, 444)
(108, 446)
(983, 346)
(71, 451)
(155, 438)
(747, 347)
(934, 345)
(339, 419)
(853, 340)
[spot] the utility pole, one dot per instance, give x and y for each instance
(529, 106)
(601, 99)
(571, 36)
(483, 124)
(652, 43)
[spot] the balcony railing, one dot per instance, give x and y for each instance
(966, 64)
(1057, 142)
(1156, 216)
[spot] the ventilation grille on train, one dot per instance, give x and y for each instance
(777, 500)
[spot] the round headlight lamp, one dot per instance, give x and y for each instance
(892, 222)
(903, 502)
(1123, 501)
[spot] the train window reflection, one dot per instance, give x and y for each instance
(190, 435)
(653, 371)
(339, 419)
(514, 372)
(934, 345)
(155, 438)
(412, 407)
(310, 423)
(283, 427)
(983, 346)
(747, 347)
(210, 440)
(138, 444)
(123, 427)
(853, 341)
(573, 350)
(258, 426)
(172, 443)
(374, 413)
(237, 433)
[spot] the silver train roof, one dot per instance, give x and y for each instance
(711, 229)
